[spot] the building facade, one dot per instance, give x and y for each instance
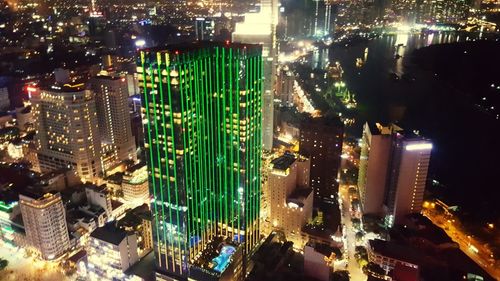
(392, 172)
(67, 133)
(260, 28)
(111, 251)
(291, 198)
(44, 220)
(111, 95)
(202, 116)
(321, 141)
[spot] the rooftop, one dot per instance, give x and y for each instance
(283, 162)
(187, 47)
(109, 233)
(395, 251)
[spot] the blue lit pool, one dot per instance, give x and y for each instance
(222, 260)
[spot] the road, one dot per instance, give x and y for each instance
(472, 248)
(350, 236)
(22, 268)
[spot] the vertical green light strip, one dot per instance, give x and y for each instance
(165, 149)
(157, 146)
(146, 103)
(186, 171)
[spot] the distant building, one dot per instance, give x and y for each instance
(393, 171)
(204, 29)
(321, 141)
(291, 198)
(284, 87)
(45, 224)
(4, 99)
(260, 28)
(67, 132)
(111, 96)
(111, 251)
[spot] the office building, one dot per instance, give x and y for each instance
(111, 97)
(67, 134)
(291, 198)
(111, 251)
(45, 224)
(260, 28)
(393, 171)
(202, 116)
(321, 141)
(204, 29)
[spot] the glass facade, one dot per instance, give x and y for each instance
(202, 116)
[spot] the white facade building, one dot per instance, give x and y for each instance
(45, 224)
(67, 133)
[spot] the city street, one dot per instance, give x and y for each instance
(23, 268)
(350, 236)
(472, 248)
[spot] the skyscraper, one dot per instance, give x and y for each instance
(321, 141)
(45, 223)
(392, 172)
(260, 28)
(66, 127)
(202, 110)
(111, 95)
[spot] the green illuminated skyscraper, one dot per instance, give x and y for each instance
(202, 116)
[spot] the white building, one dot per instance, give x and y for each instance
(111, 251)
(135, 185)
(291, 198)
(45, 224)
(111, 95)
(66, 127)
(393, 172)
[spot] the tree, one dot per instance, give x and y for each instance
(3, 264)
(341, 275)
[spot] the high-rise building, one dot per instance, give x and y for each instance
(67, 133)
(393, 171)
(202, 116)
(111, 96)
(321, 141)
(260, 28)
(204, 29)
(291, 198)
(44, 220)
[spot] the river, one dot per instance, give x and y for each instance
(464, 146)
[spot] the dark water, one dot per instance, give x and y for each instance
(465, 147)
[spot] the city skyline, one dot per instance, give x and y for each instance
(259, 140)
